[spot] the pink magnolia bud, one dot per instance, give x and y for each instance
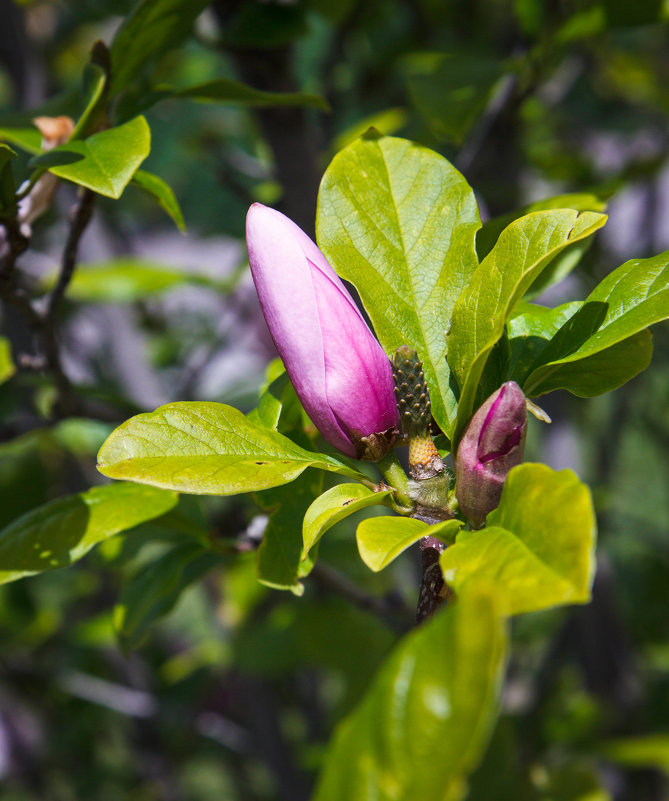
(491, 445)
(340, 372)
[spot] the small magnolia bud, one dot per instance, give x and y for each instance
(340, 372)
(491, 445)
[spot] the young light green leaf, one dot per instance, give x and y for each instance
(437, 694)
(163, 194)
(538, 546)
(105, 162)
(279, 558)
(398, 221)
(633, 297)
(156, 588)
(382, 539)
(62, 531)
(334, 505)
(152, 28)
(207, 449)
(523, 250)
(7, 366)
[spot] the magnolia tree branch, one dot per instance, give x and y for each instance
(43, 324)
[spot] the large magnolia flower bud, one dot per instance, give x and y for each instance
(491, 445)
(340, 372)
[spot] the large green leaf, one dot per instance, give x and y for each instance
(382, 539)
(280, 563)
(155, 589)
(523, 250)
(151, 29)
(62, 531)
(538, 547)
(334, 505)
(424, 722)
(162, 193)
(105, 162)
(631, 298)
(207, 448)
(399, 222)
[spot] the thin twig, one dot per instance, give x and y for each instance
(81, 216)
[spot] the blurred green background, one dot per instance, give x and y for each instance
(144, 672)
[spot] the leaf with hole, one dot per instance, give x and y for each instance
(207, 448)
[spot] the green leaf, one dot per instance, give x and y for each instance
(424, 722)
(398, 221)
(7, 366)
(451, 89)
(537, 549)
(523, 250)
(105, 162)
(62, 531)
(153, 28)
(126, 280)
(334, 505)
(207, 449)
(633, 297)
(162, 193)
(382, 539)
(234, 93)
(279, 559)
(564, 262)
(601, 372)
(155, 589)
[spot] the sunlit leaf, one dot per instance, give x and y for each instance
(206, 448)
(522, 251)
(162, 193)
(334, 505)
(538, 546)
(398, 221)
(382, 539)
(105, 162)
(424, 722)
